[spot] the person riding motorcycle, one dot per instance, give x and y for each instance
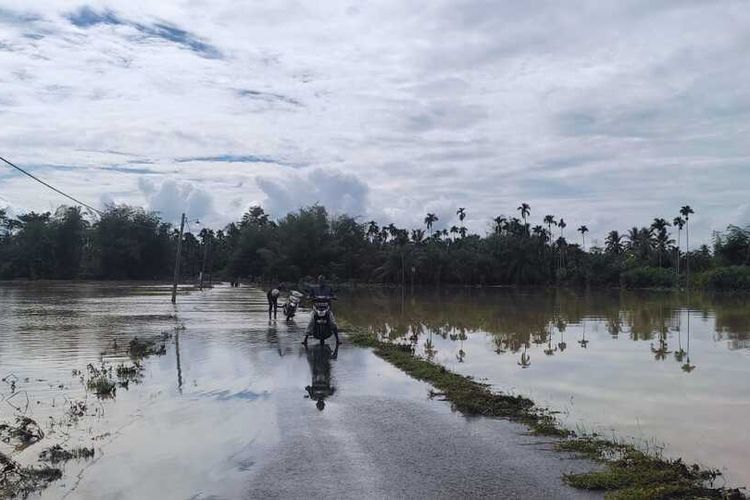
(322, 289)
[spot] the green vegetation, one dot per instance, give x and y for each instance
(466, 395)
(626, 473)
(17, 481)
(129, 243)
(630, 473)
(56, 454)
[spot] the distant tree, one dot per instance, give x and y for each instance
(583, 230)
(525, 210)
(686, 211)
(613, 243)
(429, 220)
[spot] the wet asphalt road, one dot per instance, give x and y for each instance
(231, 411)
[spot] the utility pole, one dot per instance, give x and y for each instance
(177, 261)
(205, 255)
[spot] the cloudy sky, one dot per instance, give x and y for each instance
(607, 113)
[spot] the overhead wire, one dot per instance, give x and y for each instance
(50, 186)
(53, 188)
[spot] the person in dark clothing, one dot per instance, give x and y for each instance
(322, 289)
(273, 301)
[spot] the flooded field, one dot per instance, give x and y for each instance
(668, 371)
(235, 407)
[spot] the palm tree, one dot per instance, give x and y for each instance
(462, 231)
(500, 223)
(550, 221)
(525, 210)
(613, 243)
(461, 212)
(417, 236)
(583, 230)
(454, 229)
(562, 225)
(372, 229)
(679, 223)
(662, 236)
(430, 220)
(685, 211)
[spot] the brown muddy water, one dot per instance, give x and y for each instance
(667, 371)
(237, 408)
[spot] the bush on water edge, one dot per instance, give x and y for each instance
(648, 277)
(725, 278)
(627, 472)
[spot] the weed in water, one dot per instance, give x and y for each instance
(24, 432)
(17, 481)
(57, 454)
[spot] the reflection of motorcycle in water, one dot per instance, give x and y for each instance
(291, 304)
(319, 356)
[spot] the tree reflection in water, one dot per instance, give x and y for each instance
(516, 320)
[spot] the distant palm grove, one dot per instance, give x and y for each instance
(130, 243)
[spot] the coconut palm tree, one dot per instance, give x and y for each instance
(685, 211)
(525, 210)
(562, 225)
(679, 223)
(613, 243)
(429, 220)
(583, 230)
(659, 226)
(461, 212)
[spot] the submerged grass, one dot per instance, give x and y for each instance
(627, 472)
(17, 481)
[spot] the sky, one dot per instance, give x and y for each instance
(605, 113)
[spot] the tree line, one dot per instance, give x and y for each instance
(131, 243)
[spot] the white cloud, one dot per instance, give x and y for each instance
(606, 113)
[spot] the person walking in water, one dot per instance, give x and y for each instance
(273, 301)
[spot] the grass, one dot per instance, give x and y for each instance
(57, 454)
(626, 473)
(143, 348)
(17, 481)
(102, 386)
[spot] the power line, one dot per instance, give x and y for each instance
(53, 188)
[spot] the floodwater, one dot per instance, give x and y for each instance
(667, 371)
(237, 408)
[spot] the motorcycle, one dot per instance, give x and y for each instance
(291, 304)
(322, 326)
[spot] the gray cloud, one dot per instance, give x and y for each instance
(86, 17)
(605, 113)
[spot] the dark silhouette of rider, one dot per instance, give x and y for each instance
(322, 289)
(319, 357)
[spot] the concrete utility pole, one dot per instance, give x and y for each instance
(206, 247)
(177, 261)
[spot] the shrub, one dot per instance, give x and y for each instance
(726, 278)
(648, 277)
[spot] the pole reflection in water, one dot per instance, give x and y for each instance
(319, 357)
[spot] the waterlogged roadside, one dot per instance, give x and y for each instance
(627, 471)
(101, 381)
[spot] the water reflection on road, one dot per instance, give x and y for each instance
(662, 368)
